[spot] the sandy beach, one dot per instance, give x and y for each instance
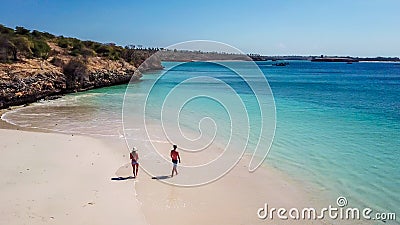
(53, 178)
(62, 179)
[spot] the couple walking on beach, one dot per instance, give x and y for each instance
(134, 156)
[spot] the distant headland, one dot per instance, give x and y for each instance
(322, 58)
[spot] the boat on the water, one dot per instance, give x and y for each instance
(281, 64)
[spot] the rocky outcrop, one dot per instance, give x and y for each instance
(18, 91)
(35, 65)
(31, 80)
(151, 63)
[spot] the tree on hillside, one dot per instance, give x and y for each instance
(21, 46)
(40, 49)
(5, 30)
(16, 46)
(20, 42)
(128, 54)
(42, 35)
(21, 30)
(4, 48)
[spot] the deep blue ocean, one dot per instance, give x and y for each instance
(337, 124)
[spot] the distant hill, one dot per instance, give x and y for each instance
(257, 57)
(35, 64)
(185, 55)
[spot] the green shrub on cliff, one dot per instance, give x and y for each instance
(5, 30)
(92, 45)
(24, 45)
(63, 42)
(21, 30)
(42, 35)
(40, 49)
(20, 42)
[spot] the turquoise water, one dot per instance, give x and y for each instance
(337, 126)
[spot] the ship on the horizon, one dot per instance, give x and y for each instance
(334, 59)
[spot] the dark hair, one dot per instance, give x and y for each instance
(175, 146)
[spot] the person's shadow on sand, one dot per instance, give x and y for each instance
(122, 178)
(130, 177)
(161, 177)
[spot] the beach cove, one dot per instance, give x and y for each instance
(297, 173)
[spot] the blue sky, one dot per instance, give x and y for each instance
(279, 27)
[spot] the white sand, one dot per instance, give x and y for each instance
(62, 179)
(233, 199)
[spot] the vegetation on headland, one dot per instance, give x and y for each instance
(35, 64)
(322, 58)
(21, 43)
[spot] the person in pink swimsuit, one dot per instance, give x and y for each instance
(134, 161)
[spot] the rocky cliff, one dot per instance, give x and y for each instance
(33, 79)
(36, 65)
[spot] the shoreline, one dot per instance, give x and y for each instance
(87, 172)
(239, 193)
(156, 198)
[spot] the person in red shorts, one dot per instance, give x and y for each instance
(175, 159)
(134, 161)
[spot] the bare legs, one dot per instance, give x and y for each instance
(174, 170)
(135, 168)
